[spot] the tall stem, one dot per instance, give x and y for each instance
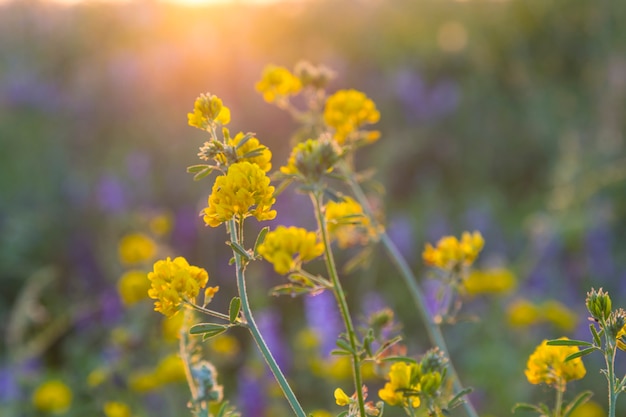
(340, 296)
(432, 328)
(254, 330)
(610, 366)
(559, 400)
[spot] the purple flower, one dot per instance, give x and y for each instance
(268, 322)
(322, 315)
(111, 195)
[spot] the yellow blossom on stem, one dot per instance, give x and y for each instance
(522, 313)
(490, 281)
(277, 83)
(341, 398)
(558, 314)
(244, 191)
(547, 365)
(312, 159)
(116, 409)
(135, 248)
(173, 281)
(208, 110)
(133, 286)
(52, 397)
(452, 253)
(347, 111)
(401, 379)
(347, 223)
(288, 247)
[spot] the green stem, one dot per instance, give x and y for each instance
(559, 401)
(610, 364)
(201, 407)
(207, 311)
(432, 328)
(341, 300)
(254, 330)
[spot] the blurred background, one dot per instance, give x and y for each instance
(506, 117)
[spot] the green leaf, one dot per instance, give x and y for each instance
(205, 172)
(458, 398)
(254, 153)
(340, 352)
(283, 186)
(562, 342)
(197, 168)
(583, 352)
(596, 336)
(345, 346)
(233, 309)
(203, 328)
(246, 138)
(260, 239)
(580, 399)
(240, 250)
(398, 359)
(343, 414)
(362, 259)
(214, 333)
(289, 289)
(526, 407)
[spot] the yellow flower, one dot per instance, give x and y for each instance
(347, 223)
(170, 369)
(588, 409)
(401, 376)
(244, 191)
(277, 83)
(225, 345)
(208, 110)
(559, 315)
(170, 327)
(52, 397)
(161, 224)
(547, 365)
(341, 398)
(142, 381)
(173, 281)
(116, 409)
(133, 286)
(288, 247)
(522, 313)
(312, 159)
(135, 248)
(451, 252)
(347, 110)
(252, 144)
(97, 377)
(490, 281)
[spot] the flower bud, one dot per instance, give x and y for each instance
(599, 304)
(430, 383)
(615, 323)
(433, 361)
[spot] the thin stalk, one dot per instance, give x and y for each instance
(202, 409)
(254, 330)
(434, 331)
(207, 311)
(559, 401)
(341, 300)
(610, 364)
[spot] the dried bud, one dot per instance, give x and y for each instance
(433, 361)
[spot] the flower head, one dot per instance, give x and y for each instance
(547, 365)
(347, 223)
(244, 191)
(288, 247)
(341, 398)
(402, 380)
(52, 397)
(490, 281)
(133, 286)
(208, 110)
(347, 111)
(312, 159)
(243, 147)
(116, 409)
(452, 253)
(135, 248)
(173, 281)
(277, 83)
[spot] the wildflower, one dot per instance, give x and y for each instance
(452, 253)
(170, 327)
(161, 224)
(523, 313)
(588, 409)
(490, 281)
(173, 282)
(347, 223)
(341, 398)
(312, 159)
(244, 191)
(243, 147)
(348, 110)
(52, 397)
(133, 286)
(136, 248)
(547, 365)
(401, 385)
(599, 304)
(208, 110)
(97, 376)
(252, 146)
(288, 247)
(225, 345)
(142, 381)
(116, 409)
(277, 83)
(170, 369)
(314, 76)
(559, 315)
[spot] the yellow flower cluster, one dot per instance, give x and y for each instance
(490, 281)
(288, 247)
(402, 378)
(263, 160)
(116, 409)
(174, 281)
(312, 159)
(277, 83)
(347, 223)
(523, 313)
(547, 365)
(169, 370)
(452, 253)
(133, 286)
(52, 397)
(208, 110)
(244, 191)
(136, 248)
(347, 111)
